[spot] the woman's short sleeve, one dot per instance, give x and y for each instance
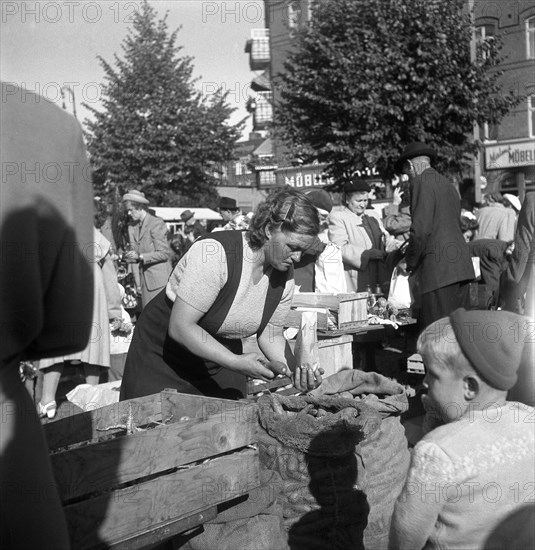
(200, 275)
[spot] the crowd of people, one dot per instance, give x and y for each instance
(185, 302)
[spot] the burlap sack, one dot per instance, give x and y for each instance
(342, 470)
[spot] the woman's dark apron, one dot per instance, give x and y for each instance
(155, 361)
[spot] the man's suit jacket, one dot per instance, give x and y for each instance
(520, 270)
(437, 250)
(150, 239)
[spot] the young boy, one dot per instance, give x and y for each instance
(470, 474)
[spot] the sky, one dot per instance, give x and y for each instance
(46, 45)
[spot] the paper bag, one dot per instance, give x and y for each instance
(306, 349)
(400, 295)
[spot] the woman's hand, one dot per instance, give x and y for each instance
(254, 366)
(305, 379)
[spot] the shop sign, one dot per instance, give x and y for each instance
(302, 176)
(510, 155)
(312, 176)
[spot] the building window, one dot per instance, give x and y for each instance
(294, 15)
(485, 40)
(531, 115)
(530, 37)
(263, 113)
(488, 132)
(266, 178)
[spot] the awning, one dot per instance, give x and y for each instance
(261, 83)
(170, 214)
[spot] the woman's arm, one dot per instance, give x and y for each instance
(184, 328)
(276, 348)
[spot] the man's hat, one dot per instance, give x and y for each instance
(186, 215)
(321, 199)
(514, 200)
(357, 186)
(226, 203)
(414, 149)
(135, 196)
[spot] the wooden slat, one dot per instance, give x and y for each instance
(105, 465)
(166, 531)
(334, 358)
(273, 385)
(353, 296)
(85, 426)
(129, 512)
(353, 310)
(324, 341)
(315, 299)
(293, 319)
(177, 405)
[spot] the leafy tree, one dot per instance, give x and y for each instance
(370, 76)
(155, 132)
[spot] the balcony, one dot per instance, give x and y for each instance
(258, 49)
(263, 110)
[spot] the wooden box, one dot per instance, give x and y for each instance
(346, 310)
(141, 471)
(336, 354)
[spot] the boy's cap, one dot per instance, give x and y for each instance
(493, 342)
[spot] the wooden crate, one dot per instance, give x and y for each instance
(350, 310)
(172, 461)
(336, 354)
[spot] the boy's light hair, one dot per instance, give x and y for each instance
(439, 340)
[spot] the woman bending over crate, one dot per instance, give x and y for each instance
(230, 285)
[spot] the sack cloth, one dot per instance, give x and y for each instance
(343, 471)
(295, 421)
(251, 522)
(264, 531)
(355, 383)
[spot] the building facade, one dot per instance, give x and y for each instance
(508, 156)
(508, 159)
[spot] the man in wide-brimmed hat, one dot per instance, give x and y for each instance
(437, 252)
(232, 216)
(193, 229)
(150, 249)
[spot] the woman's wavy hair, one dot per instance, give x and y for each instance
(468, 225)
(286, 209)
